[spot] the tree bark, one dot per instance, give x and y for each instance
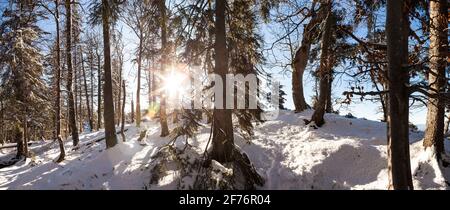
(223, 139)
(397, 31)
(119, 97)
(18, 137)
(108, 114)
(325, 68)
(62, 153)
(447, 125)
(91, 126)
(132, 110)
(163, 115)
(58, 73)
(122, 128)
(329, 106)
(301, 61)
(138, 91)
(434, 133)
(71, 103)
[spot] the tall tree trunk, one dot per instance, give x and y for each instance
(132, 110)
(434, 133)
(71, 103)
(58, 73)
(58, 87)
(223, 139)
(108, 114)
(99, 92)
(122, 128)
(77, 94)
(397, 31)
(138, 91)
(325, 68)
(301, 61)
(91, 126)
(119, 97)
(19, 139)
(92, 89)
(162, 113)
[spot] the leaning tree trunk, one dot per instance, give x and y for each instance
(108, 114)
(162, 113)
(434, 133)
(301, 61)
(324, 70)
(397, 31)
(223, 139)
(71, 103)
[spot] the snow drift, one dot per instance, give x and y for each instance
(344, 154)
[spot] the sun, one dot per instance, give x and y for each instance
(173, 83)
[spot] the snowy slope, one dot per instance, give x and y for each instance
(344, 154)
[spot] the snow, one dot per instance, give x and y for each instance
(343, 154)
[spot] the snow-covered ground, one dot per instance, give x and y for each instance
(344, 154)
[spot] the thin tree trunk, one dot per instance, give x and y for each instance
(25, 135)
(119, 97)
(301, 61)
(71, 103)
(92, 87)
(122, 128)
(434, 133)
(447, 125)
(138, 91)
(86, 92)
(108, 114)
(163, 115)
(58, 73)
(223, 139)
(99, 92)
(78, 101)
(397, 31)
(153, 84)
(80, 105)
(132, 110)
(325, 69)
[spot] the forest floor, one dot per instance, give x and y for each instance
(344, 154)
